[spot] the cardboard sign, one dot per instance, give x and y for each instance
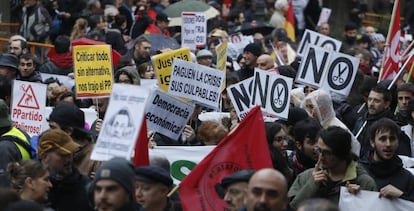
(28, 106)
(163, 65)
(331, 71)
(63, 79)
(324, 16)
(182, 158)
(272, 92)
(240, 96)
(221, 50)
(166, 114)
(193, 30)
(122, 123)
(311, 37)
(196, 82)
(93, 70)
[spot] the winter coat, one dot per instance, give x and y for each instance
(35, 19)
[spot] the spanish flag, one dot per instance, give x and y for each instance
(290, 22)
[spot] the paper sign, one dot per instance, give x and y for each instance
(166, 114)
(240, 96)
(93, 70)
(122, 123)
(221, 50)
(312, 66)
(163, 65)
(196, 82)
(272, 92)
(28, 106)
(324, 16)
(193, 30)
(320, 40)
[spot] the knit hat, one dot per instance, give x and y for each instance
(56, 139)
(119, 170)
(153, 174)
(5, 120)
(254, 49)
(8, 60)
(68, 114)
(378, 37)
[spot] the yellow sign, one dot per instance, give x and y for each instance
(93, 70)
(222, 60)
(163, 64)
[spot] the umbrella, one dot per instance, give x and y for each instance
(159, 42)
(85, 41)
(249, 28)
(174, 10)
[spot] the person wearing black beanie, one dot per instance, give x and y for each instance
(250, 54)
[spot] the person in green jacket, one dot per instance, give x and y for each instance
(335, 168)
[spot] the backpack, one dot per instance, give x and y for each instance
(43, 24)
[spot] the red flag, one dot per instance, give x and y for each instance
(141, 157)
(392, 56)
(290, 23)
(245, 148)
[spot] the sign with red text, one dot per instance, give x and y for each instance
(28, 106)
(193, 30)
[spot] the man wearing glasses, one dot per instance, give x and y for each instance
(335, 168)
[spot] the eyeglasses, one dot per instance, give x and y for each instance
(325, 153)
(280, 138)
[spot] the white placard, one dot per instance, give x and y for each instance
(193, 30)
(324, 16)
(312, 66)
(166, 114)
(122, 122)
(272, 92)
(369, 200)
(63, 79)
(311, 37)
(240, 96)
(182, 158)
(28, 106)
(196, 82)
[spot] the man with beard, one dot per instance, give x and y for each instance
(351, 31)
(267, 190)
(55, 150)
(113, 186)
(405, 92)
(305, 133)
(140, 53)
(384, 165)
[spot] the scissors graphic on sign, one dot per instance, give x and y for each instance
(278, 101)
(339, 76)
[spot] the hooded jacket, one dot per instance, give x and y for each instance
(324, 113)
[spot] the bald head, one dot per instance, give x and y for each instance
(265, 62)
(267, 189)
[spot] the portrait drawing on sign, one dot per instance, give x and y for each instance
(120, 125)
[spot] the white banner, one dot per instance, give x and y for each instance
(196, 82)
(166, 114)
(182, 158)
(193, 30)
(369, 200)
(272, 92)
(28, 106)
(122, 122)
(311, 37)
(240, 96)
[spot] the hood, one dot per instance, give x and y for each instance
(63, 60)
(322, 104)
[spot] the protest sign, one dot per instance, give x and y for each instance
(166, 114)
(240, 41)
(240, 96)
(163, 65)
(221, 50)
(320, 40)
(369, 200)
(182, 158)
(93, 70)
(272, 92)
(324, 16)
(196, 82)
(63, 79)
(90, 116)
(122, 123)
(193, 30)
(28, 106)
(331, 71)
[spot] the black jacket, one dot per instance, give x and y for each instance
(391, 172)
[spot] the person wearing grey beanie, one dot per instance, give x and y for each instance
(113, 186)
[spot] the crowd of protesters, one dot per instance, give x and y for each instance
(327, 141)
